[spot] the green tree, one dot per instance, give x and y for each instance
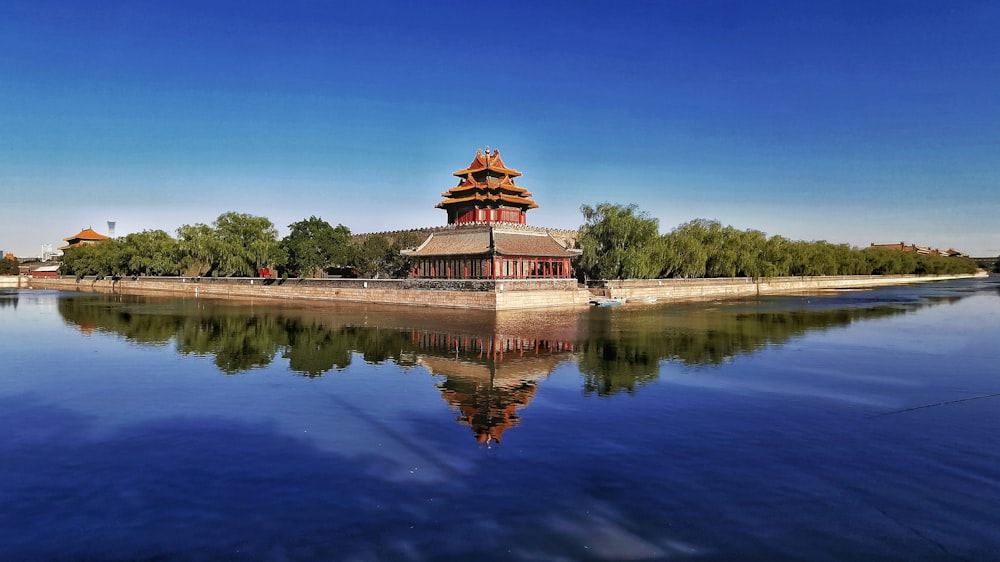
(247, 244)
(312, 245)
(9, 266)
(236, 244)
(103, 258)
(777, 257)
(751, 248)
(399, 265)
(151, 252)
(378, 255)
(373, 257)
(197, 249)
(620, 242)
(686, 252)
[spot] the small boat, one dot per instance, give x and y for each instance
(607, 302)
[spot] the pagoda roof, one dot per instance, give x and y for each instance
(482, 240)
(87, 234)
(471, 183)
(458, 242)
(489, 198)
(490, 160)
(510, 243)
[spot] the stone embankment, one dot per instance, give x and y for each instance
(463, 293)
(740, 287)
(469, 293)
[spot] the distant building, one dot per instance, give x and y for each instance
(45, 271)
(487, 235)
(903, 247)
(48, 253)
(85, 236)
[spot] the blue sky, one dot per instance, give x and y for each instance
(852, 122)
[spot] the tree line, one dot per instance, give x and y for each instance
(618, 242)
(241, 245)
(623, 242)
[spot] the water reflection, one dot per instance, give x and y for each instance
(8, 298)
(488, 365)
(617, 349)
(623, 351)
(488, 380)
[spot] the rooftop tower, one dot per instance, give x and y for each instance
(486, 193)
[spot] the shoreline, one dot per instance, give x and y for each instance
(473, 294)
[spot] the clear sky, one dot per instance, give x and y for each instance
(851, 121)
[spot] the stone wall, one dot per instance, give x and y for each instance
(507, 294)
(726, 288)
(467, 293)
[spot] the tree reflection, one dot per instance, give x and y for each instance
(8, 298)
(489, 367)
(109, 314)
(617, 350)
(238, 342)
(313, 348)
(623, 350)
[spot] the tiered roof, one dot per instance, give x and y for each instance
(85, 236)
(487, 182)
(493, 240)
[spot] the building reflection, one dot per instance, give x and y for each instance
(488, 379)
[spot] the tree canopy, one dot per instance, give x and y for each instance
(378, 255)
(235, 244)
(618, 242)
(621, 242)
(9, 266)
(313, 246)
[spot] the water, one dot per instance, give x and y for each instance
(850, 425)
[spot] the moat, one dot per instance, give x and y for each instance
(844, 425)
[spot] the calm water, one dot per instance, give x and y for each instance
(853, 425)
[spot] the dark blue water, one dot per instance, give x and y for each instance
(835, 426)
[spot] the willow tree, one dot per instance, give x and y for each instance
(235, 244)
(620, 243)
(248, 243)
(198, 249)
(151, 252)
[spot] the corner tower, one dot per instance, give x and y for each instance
(487, 236)
(486, 193)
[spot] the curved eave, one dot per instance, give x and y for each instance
(508, 171)
(500, 198)
(87, 234)
(514, 190)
